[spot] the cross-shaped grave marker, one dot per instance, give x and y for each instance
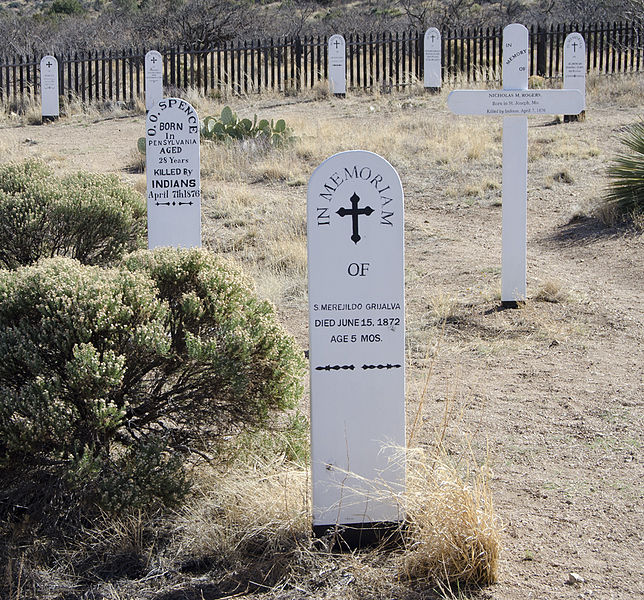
(515, 102)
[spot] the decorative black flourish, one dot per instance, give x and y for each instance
(163, 204)
(335, 368)
(387, 366)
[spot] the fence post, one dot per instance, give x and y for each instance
(541, 52)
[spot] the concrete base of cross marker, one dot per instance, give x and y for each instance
(343, 538)
(512, 304)
(572, 118)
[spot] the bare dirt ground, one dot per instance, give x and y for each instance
(551, 393)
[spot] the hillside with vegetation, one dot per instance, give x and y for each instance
(75, 25)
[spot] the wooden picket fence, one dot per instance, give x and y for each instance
(382, 61)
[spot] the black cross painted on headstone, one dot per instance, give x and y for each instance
(49, 64)
(574, 47)
(355, 212)
(154, 59)
(337, 43)
(433, 36)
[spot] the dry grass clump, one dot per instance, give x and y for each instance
(23, 110)
(624, 90)
(551, 291)
(453, 531)
(252, 520)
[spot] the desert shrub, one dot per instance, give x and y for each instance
(66, 7)
(113, 380)
(92, 218)
(626, 189)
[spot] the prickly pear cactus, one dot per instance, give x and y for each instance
(228, 126)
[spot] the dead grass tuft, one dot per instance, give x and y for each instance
(625, 90)
(251, 520)
(454, 532)
(563, 176)
(551, 291)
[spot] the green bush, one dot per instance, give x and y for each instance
(92, 218)
(66, 7)
(626, 174)
(111, 379)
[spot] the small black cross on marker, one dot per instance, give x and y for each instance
(49, 64)
(336, 43)
(574, 46)
(433, 37)
(154, 59)
(355, 212)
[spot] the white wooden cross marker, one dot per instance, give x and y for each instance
(515, 102)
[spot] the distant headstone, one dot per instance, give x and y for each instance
(49, 90)
(173, 175)
(574, 69)
(357, 342)
(514, 103)
(153, 78)
(337, 65)
(432, 64)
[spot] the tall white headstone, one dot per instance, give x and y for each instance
(153, 78)
(514, 103)
(432, 64)
(337, 65)
(49, 91)
(574, 65)
(173, 175)
(357, 341)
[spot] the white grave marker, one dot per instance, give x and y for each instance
(173, 175)
(49, 90)
(574, 66)
(337, 65)
(514, 103)
(432, 64)
(357, 341)
(153, 78)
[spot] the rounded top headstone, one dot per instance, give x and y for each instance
(432, 58)
(432, 36)
(153, 78)
(336, 44)
(337, 64)
(173, 175)
(49, 87)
